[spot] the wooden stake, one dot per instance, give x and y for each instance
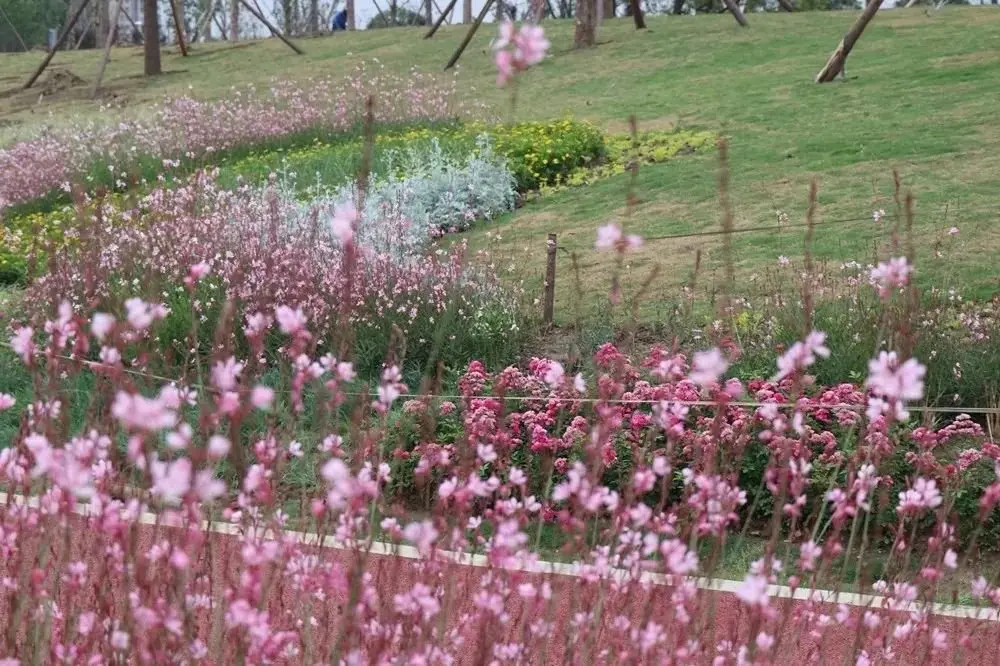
(59, 42)
(179, 29)
(107, 47)
(736, 12)
(274, 31)
(836, 62)
(444, 14)
(549, 306)
(469, 35)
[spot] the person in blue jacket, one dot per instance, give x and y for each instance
(339, 21)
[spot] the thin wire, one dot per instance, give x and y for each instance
(746, 404)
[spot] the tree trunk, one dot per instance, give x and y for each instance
(234, 20)
(637, 17)
(104, 26)
(835, 64)
(786, 5)
(151, 37)
(351, 19)
(286, 16)
(586, 24)
(678, 6)
(314, 16)
(607, 9)
(736, 12)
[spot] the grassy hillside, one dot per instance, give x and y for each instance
(920, 97)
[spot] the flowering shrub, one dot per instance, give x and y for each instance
(261, 250)
(110, 557)
(186, 129)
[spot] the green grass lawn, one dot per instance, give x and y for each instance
(920, 97)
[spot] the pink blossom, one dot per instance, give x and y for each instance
(22, 344)
(345, 216)
(555, 375)
(218, 447)
(953, 231)
(891, 275)
(531, 45)
(6, 401)
(922, 496)
(707, 367)
(225, 374)
(171, 481)
(141, 314)
(783, 260)
(207, 487)
(504, 61)
(802, 354)
(137, 412)
(608, 236)
(893, 383)
(291, 322)
(261, 397)
(753, 591)
(101, 325)
(422, 534)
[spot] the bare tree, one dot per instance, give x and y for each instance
(151, 37)
(586, 24)
(314, 16)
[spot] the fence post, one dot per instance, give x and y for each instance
(550, 281)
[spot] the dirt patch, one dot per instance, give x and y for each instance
(59, 80)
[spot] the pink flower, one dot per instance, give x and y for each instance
(196, 273)
(290, 321)
(422, 535)
(922, 496)
(345, 371)
(891, 275)
(555, 375)
(171, 481)
(801, 355)
(783, 260)
(753, 590)
(504, 61)
(142, 314)
(101, 325)
(345, 216)
(207, 487)
(137, 412)
(893, 384)
(608, 236)
(951, 559)
(506, 35)
(261, 397)
(22, 344)
(218, 447)
(953, 231)
(707, 367)
(225, 374)
(6, 401)
(530, 45)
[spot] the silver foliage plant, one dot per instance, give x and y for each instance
(425, 194)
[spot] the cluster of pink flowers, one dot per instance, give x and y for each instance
(191, 129)
(518, 49)
(405, 498)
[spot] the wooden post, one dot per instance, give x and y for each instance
(59, 42)
(836, 62)
(468, 36)
(107, 47)
(549, 304)
(437, 24)
(637, 15)
(274, 31)
(736, 12)
(178, 28)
